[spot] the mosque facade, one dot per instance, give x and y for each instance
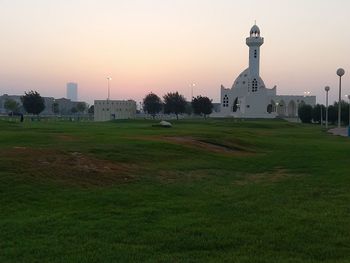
(250, 98)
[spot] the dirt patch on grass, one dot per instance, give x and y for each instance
(207, 146)
(276, 175)
(201, 144)
(174, 176)
(72, 168)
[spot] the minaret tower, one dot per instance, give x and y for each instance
(254, 42)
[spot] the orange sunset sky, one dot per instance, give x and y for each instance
(165, 45)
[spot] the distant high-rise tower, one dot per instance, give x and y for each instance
(72, 91)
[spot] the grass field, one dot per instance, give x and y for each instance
(202, 191)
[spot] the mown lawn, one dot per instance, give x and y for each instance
(202, 191)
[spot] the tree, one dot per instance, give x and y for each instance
(202, 105)
(332, 114)
(11, 105)
(196, 105)
(152, 104)
(81, 107)
(33, 103)
(316, 113)
(189, 108)
(344, 111)
(305, 113)
(207, 106)
(174, 103)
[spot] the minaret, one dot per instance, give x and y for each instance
(254, 42)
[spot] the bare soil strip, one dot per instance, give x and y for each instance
(66, 167)
(277, 175)
(199, 144)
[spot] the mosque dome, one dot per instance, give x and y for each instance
(244, 80)
(255, 30)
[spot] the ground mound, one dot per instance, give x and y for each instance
(72, 168)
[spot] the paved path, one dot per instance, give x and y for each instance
(339, 131)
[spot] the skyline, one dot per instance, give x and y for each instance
(168, 45)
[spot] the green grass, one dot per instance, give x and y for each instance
(250, 191)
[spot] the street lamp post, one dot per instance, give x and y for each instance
(109, 90)
(340, 73)
(327, 90)
(192, 86)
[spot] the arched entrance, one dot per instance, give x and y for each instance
(273, 103)
(269, 109)
(281, 108)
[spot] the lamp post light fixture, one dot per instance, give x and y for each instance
(307, 93)
(340, 73)
(109, 90)
(327, 88)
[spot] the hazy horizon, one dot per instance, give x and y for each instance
(165, 45)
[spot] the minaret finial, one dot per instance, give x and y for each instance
(254, 22)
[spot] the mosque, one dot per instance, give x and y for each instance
(250, 98)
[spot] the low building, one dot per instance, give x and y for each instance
(49, 101)
(63, 106)
(66, 106)
(106, 110)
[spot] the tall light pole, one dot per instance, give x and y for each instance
(327, 88)
(340, 73)
(109, 90)
(192, 86)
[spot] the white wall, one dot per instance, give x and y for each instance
(106, 110)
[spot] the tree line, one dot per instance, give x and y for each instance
(33, 103)
(171, 103)
(317, 113)
(175, 103)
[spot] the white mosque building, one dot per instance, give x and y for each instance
(250, 98)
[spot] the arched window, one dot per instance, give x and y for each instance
(255, 53)
(225, 101)
(254, 85)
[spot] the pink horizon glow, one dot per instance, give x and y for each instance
(164, 46)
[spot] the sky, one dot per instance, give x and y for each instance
(164, 46)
